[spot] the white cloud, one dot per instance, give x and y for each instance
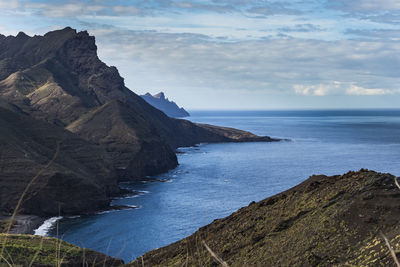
(357, 90)
(9, 4)
(365, 5)
(319, 89)
(340, 88)
(277, 66)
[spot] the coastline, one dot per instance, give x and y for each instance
(30, 224)
(24, 223)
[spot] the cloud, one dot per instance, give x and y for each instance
(308, 27)
(364, 6)
(380, 11)
(273, 8)
(9, 4)
(339, 88)
(317, 90)
(225, 8)
(375, 34)
(357, 90)
(75, 8)
(72, 8)
(276, 66)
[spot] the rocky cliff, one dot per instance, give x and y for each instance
(57, 90)
(324, 221)
(162, 103)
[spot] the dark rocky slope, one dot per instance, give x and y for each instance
(81, 179)
(324, 221)
(54, 88)
(170, 108)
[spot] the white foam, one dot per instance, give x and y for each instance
(47, 225)
(105, 212)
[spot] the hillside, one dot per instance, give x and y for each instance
(55, 90)
(23, 250)
(81, 178)
(162, 103)
(324, 221)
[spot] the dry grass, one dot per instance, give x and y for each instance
(215, 256)
(20, 200)
(392, 252)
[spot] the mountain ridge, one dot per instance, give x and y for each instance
(59, 80)
(162, 103)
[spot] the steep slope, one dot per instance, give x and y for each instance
(133, 143)
(59, 78)
(324, 221)
(81, 179)
(27, 250)
(162, 103)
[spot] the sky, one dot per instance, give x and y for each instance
(237, 54)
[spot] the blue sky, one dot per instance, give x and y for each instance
(237, 54)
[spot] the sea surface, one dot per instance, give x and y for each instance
(214, 180)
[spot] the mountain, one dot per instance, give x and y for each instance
(168, 107)
(55, 89)
(324, 221)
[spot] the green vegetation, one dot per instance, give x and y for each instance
(3, 226)
(324, 221)
(28, 250)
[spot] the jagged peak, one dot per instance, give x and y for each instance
(67, 31)
(160, 95)
(62, 32)
(22, 35)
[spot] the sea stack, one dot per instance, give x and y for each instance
(159, 101)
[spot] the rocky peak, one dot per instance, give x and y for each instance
(66, 31)
(162, 103)
(21, 35)
(160, 95)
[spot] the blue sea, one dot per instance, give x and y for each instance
(214, 180)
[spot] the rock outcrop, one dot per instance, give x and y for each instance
(159, 101)
(324, 221)
(55, 89)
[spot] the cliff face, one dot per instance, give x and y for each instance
(162, 103)
(109, 133)
(81, 179)
(324, 221)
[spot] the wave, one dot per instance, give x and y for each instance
(47, 225)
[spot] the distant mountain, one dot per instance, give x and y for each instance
(162, 103)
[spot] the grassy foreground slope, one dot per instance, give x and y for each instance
(28, 250)
(324, 221)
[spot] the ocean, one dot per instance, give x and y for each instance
(214, 180)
